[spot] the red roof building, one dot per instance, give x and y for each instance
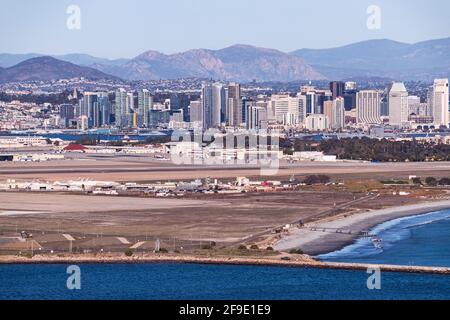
(73, 147)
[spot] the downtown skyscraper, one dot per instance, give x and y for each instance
(234, 105)
(398, 104)
(145, 102)
(214, 103)
(368, 107)
(122, 108)
(439, 102)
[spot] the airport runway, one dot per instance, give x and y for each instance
(123, 170)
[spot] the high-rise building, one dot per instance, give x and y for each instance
(368, 107)
(311, 103)
(207, 106)
(398, 104)
(328, 112)
(246, 102)
(122, 108)
(66, 113)
(338, 119)
(257, 118)
(213, 104)
(235, 104)
(145, 102)
(286, 108)
(439, 103)
(196, 112)
(104, 110)
(301, 108)
(219, 103)
(89, 108)
(337, 88)
(350, 99)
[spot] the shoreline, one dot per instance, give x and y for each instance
(302, 261)
(316, 243)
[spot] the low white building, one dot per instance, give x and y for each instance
(20, 142)
(313, 156)
(316, 122)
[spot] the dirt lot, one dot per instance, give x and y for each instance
(225, 218)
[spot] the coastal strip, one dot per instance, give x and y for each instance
(299, 261)
(316, 239)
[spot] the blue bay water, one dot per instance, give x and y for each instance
(218, 282)
(417, 240)
(422, 240)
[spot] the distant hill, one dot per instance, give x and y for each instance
(382, 58)
(8, 59)
(48, 68)
(88, 60)
(239, 62)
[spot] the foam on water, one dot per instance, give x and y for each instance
(416, 238)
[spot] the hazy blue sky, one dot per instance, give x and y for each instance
(127, 28)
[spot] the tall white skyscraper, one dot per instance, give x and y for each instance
(338, 121)
(214, 104)
(219, 103)
(145, 103)
(122, 108)
(439, 102)
(368, 107)
(398, 104)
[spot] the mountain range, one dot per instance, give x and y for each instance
(385, 59)
(382, 58)
(49, 68)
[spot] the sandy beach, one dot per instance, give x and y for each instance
(319, 242)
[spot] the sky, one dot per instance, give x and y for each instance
(125, 29)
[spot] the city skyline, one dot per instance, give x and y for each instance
(172, 27)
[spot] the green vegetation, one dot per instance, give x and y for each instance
(296, 251)
(316, 179)
(430, 181)
(242, 247)
(444, 182)
(402, 182)
(129, 253)
(373, 149)
(385, 150)
(254, 247)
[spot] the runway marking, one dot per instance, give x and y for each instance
(123, 240)
(68, 237)
(138, 245)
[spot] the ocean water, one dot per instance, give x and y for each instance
(422, 240)
(217, 282)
